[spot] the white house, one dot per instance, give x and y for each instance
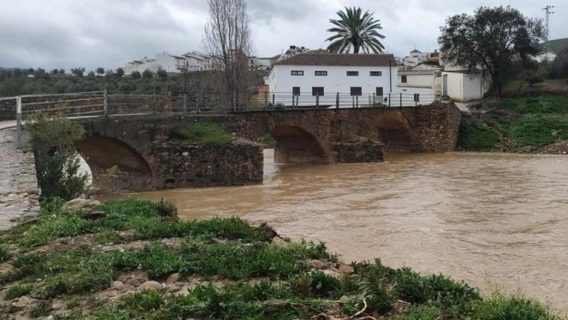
(308, 79)
(462, 85)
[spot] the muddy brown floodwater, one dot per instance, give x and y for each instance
(497, 221)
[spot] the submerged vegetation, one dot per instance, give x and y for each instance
(519, 124)
(137, 260)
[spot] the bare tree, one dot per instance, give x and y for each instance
(227, 39)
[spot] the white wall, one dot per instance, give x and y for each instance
(463, 86)
(281, 80)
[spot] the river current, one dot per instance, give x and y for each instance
(496, 221)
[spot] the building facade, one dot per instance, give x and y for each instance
(323, 78)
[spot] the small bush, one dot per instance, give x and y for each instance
(202, 133)
(57, 162)
(166, 209)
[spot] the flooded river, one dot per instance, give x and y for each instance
(493, 220)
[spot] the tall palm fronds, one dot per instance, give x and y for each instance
(357, 30)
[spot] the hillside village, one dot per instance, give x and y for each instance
(301, 72)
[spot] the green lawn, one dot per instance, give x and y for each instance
(527, 123)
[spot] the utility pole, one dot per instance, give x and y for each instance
(548, 11)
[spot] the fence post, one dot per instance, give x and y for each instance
(389, 99)
(337, 101)
(353, 102)
(297, 101)
(273, 101)
(401, 99)
(105, 102)
(357, 101)
(293, 99)
(19, 121)
(374, 99)
(317, 101)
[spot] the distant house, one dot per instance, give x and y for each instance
(163, 61)
(366, 78)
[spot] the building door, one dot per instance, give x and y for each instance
(445, 85)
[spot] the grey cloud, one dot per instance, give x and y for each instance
(108, 33)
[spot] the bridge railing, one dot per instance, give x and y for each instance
(100, 103)
(289, 100)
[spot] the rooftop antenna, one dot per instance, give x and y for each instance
(548, 11)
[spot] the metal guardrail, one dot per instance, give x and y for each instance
(100, 103)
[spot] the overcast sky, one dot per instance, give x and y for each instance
(109, 33)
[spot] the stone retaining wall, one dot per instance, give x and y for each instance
(19, 191)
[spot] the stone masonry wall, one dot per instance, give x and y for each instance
(194, 165)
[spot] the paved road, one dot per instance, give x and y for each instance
(18, 182)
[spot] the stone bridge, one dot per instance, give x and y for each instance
(136, 144)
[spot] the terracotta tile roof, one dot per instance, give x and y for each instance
(338, 59)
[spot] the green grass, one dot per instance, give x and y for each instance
(4, 254)
(475, 135)
(525, 123)
(229, 250)
(202, 133)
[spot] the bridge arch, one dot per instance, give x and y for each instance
(395, 132)
(295, 144)
(103, 153)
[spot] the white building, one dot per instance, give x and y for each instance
(164, 61)
(462, 85)
(351, 78)
(424, 79)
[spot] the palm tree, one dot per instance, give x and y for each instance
(355, 29)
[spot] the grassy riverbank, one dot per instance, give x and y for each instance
(134, 259)
(516, 125)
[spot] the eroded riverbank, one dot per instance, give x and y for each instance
(494, 220)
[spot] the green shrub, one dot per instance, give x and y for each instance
(201, 133)
(500, 307)
(166, 209)
(57, 161)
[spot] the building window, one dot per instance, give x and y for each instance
(317, 91)
(376, 74)
(403, 79)
(296, 91)
(352, 73)
(297, 72)
(321, 73)
(379, 91)
(356, 91)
